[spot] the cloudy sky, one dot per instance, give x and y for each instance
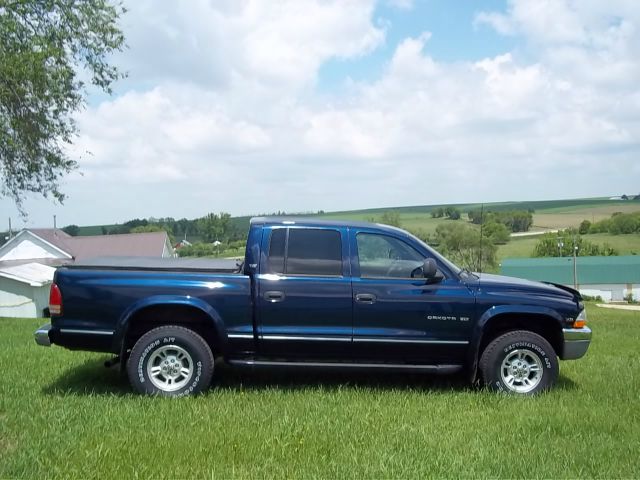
(263, 105)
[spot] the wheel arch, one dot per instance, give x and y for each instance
(544, 321)
(160, 310)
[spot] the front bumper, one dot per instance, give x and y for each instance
(575, 342)
(42, 335)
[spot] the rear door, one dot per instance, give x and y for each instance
(304, 300)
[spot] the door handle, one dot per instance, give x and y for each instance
(273, 296)
(365, 298)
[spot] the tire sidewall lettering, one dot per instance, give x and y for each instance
(141, 363)
(502, 346)
(529, 346)
(188, 390)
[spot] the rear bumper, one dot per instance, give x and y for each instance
(575, 342)
(89, 339)
(42, 335)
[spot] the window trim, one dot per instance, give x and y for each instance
(286, 253)
(414, 279)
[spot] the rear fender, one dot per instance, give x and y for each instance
(169, 300)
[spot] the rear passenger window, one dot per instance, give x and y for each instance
(276, 250)
(314, 252)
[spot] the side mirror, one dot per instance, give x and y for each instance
(429, 268)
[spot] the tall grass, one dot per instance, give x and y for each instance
(63, 415)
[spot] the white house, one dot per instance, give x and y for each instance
(24, 290)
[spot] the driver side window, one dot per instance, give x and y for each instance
(386, 257)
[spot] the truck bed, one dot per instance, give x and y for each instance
(213, 265)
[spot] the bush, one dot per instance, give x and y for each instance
(391, 218)
(562, 243)
(498, 233)
(584, 227)
(619, 223)
(590, 298)
(463, 245)
(514, 220)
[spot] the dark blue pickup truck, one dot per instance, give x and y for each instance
(316, 294)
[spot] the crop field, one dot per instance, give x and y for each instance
(63, 415)
(565, 213)
(557, 214)
(409, 221)
(568, 217)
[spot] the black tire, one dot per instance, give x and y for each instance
(181, 361)
(511, 362)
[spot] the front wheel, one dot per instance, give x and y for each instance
(519, 362)
(170, 361)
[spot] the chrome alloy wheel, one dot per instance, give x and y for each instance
(170, 368)
(521, 370)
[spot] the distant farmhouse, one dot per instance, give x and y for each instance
(28, 261)
(611, 278)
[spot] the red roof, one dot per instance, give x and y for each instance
(149, 244)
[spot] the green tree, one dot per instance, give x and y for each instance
(463, 245)
(423, 235)
(437, 212)
(146, 229)
(624, 223)
(475, 216)
(214, 227)
(72, 230)
(391, 217)
(562, 244)
(498, 233)
(46, 49)
(585, 225)
(454, 214)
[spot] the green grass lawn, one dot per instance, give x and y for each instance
(63, 415)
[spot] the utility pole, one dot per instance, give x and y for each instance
(10, 232)
(575, 264)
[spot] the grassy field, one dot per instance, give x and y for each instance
(556, 214)
(63, 415)
(523, 246)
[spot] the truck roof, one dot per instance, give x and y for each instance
(312, 222)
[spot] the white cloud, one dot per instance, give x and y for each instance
(280, 44)
(222, 113)
(401, 4)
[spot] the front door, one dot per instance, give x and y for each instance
(398, 316)
(304, 294)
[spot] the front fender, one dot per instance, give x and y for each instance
(476, 336)
(169, 300)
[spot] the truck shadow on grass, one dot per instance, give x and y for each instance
(92, 378)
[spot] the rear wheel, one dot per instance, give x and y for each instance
(171, 361)
(519, 362)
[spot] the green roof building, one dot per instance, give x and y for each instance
(611, 278)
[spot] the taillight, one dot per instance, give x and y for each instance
(55, 300)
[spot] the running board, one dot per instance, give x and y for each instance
(438, 369)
